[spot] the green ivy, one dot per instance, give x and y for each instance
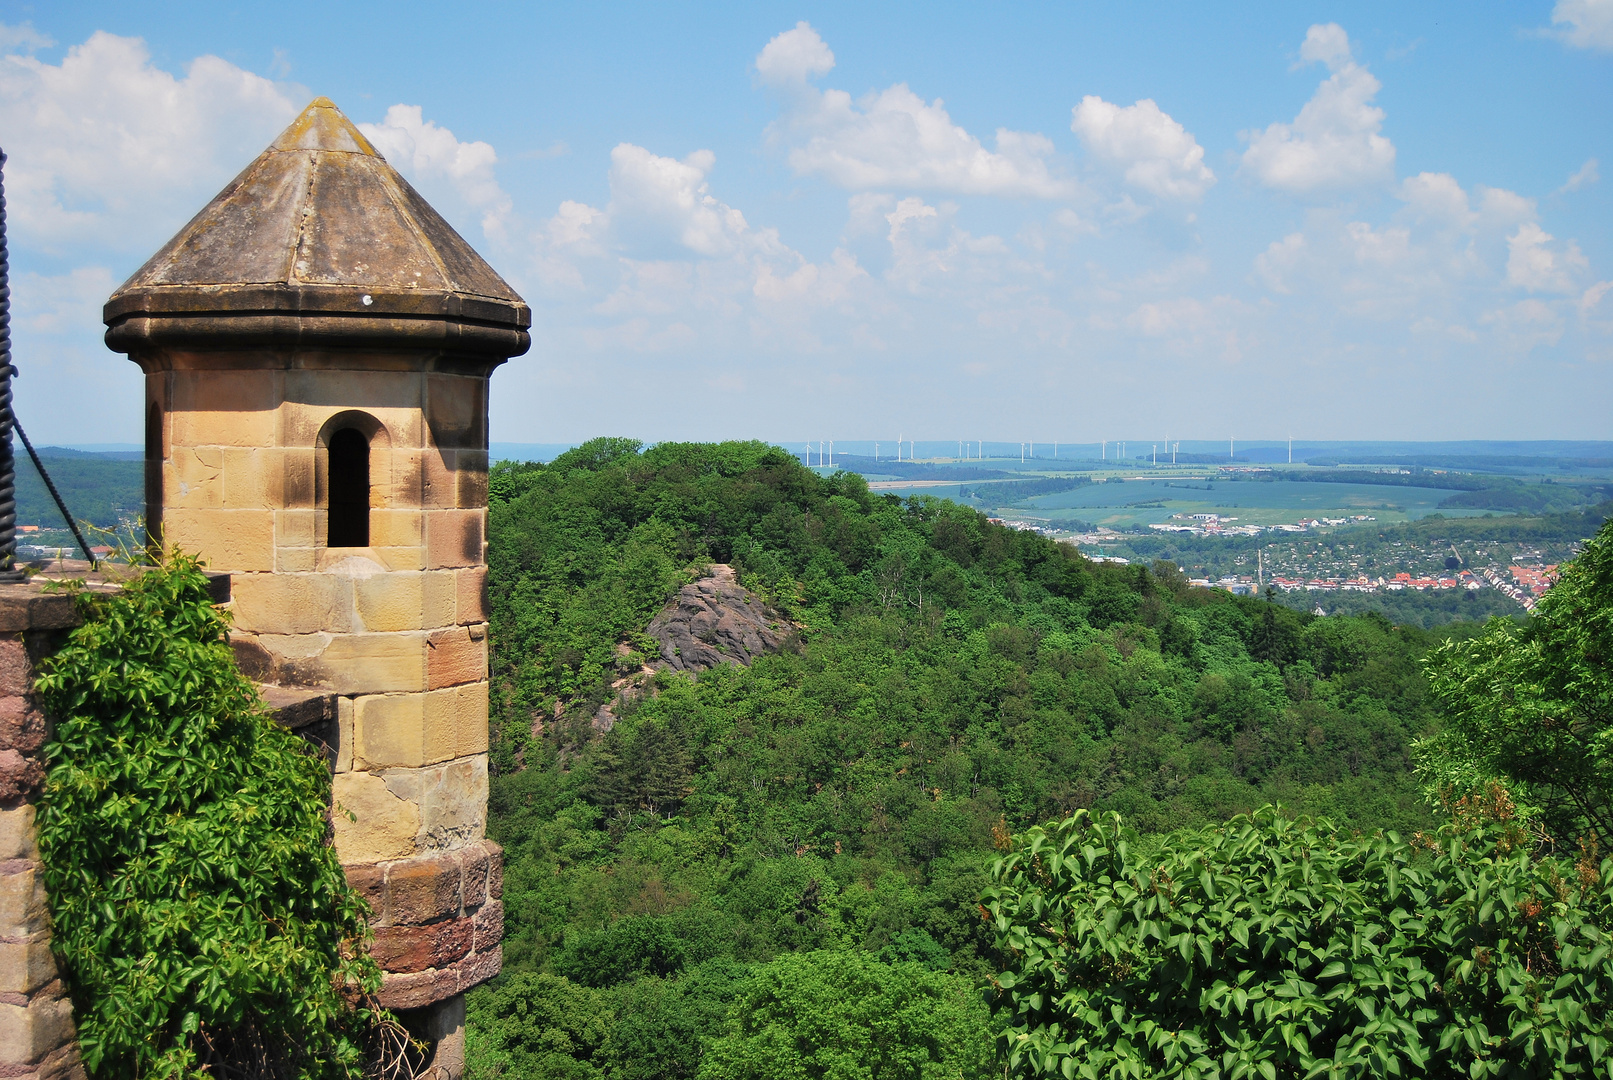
(1267, 947)
(196, 901)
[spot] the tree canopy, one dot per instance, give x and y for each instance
(949, 682)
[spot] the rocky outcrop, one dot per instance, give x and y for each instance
(716, 620)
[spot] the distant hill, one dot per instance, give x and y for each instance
(99, 488)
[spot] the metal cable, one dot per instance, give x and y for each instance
(9, 570)
(51, 487)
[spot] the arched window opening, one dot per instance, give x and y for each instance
(348, 522)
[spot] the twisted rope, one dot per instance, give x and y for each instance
(9, 570)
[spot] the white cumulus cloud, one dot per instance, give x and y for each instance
(1586, 175)
(424, 151)
(109, 149)
(1535, 263)
(794, 55)
(894, 138)
(657, 198)
(1336, 140)
(1584, 24)
(1156, 153)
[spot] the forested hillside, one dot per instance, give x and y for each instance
(817, 827)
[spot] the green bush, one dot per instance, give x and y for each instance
(195, 899)
(843, 1015)
(1532, 707)
(1267, 946)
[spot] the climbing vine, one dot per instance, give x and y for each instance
(202, 922)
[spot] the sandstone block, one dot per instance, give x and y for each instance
(388, 731)
(438, 484)
(226, 394)
(453, 538)
(395, 527)
(25, 966)
(374, 663)
(401, 558)
(424, 890)
(455, 722)
(344, 734)
(495, 869)
(439, 598)
(18, 839)
(470, 597)
(471, 479)
(237, 540)
(20, 776)
(22, 900)
(292, 603)
(416, 948)
(297, 478)
(63, 1063)
(456, 410)
(16, 671)
(296, 560)
(189, 427)
(393, 601)
(369, 881)
(299, 528)
(416, 990)
(382, 825)
(251, 478)
(454, 803)
(193, 478)
(405, 483)
(488, 926)
(453, 657)
(318, 393)
(475, 859)
(480, 966)
(22, 727)
(28, 1033)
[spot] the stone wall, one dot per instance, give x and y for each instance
(396, 630)
(37, 1038)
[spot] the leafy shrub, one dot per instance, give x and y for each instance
(1269, 946)
(1532, 707)
(846, 1016)
(195, 899)
(536, 1027)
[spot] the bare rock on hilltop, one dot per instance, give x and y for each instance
(716, 620)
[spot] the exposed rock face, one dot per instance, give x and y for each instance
(716, 621)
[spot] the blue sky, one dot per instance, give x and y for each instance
(848, 220)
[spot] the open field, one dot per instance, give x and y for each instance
(1143, 502)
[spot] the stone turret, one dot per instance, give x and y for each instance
(317, 344)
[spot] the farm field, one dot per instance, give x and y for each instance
(1144, 502)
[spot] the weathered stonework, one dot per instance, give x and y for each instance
(319, 296)
(37, 1038)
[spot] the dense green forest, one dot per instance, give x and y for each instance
(742, 855)
(1409, 608)
(99, 488)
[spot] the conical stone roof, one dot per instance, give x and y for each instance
(318, 243)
